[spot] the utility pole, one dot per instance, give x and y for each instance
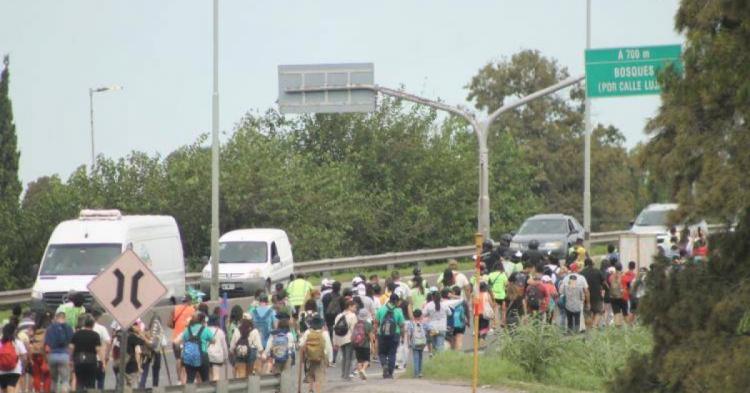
(587, 146)
(93, 90)
(215, 161)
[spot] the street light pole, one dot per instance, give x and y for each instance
(587, 145)
(214, 293)
(93, 90)
(480, 127)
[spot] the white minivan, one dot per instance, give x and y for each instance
(79, 249)
(654, 220)
(251, 259)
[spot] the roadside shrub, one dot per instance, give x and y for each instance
(534, 346)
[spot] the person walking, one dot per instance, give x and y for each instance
(596, 282)
(317, 352)
(42, 382)
(263, 318)
(196, 339)
(155, 341)
(437, 312)
(299, 291)
(179, 319)
(361, 338)
(390, 323)
(218, 353)
(103, 354)
(417, 338)
(57, 339)
(279, 349)
(12, 358)
(86, 345)
(73, 309)
(342, 337)
(244, 347)
(498, 282)
(573, 303)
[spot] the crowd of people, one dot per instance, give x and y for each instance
(388, 320)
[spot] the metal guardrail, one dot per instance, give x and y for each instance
(368, 261)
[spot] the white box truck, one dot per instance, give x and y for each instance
(79, 249)
(250, 259)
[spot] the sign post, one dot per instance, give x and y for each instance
(617, 72)
(127, 288)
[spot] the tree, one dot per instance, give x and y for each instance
(10, 186)
(549, 131)
(701, 136)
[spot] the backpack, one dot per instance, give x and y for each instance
(242, 348)
(615, 290)
(61, 337)
(341, 328)
(280, 348)
(388, 325)
(419, 336)
(191, 351)
(315, 346)
(458, 318)
(534, 297)
(334, 306)
(215, 352)
(359, 334)
(8, 356)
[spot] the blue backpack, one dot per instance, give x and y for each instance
(280, 347)
(459, 316)
(191, 352)
(263, 324)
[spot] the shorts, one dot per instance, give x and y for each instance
(620, 306)
(460, 330)
(362, 354)
(597, 306)
(9, 380)
(633, 305)
(316, 372)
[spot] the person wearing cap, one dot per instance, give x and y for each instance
(179, 319)
(57, 338)
(387, 344)
(315, 373)
(359, 287)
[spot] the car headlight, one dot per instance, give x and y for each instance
(36, 294)
(551, 245)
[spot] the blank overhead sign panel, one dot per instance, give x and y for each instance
(326, 88)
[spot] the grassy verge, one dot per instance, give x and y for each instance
(543, 359)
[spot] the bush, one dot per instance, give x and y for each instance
(539, 353)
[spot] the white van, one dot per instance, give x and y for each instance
(79, 249)
(250, 259)
(654, 220)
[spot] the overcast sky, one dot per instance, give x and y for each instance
(160, 51)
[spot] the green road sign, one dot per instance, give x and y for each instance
(615, 72)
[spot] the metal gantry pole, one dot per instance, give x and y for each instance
(214, 293)
(91, 119)
(587, 145)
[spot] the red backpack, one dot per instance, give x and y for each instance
(8, 356)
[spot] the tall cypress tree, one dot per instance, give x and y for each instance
(11, 273)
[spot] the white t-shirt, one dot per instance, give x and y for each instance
(20, 350)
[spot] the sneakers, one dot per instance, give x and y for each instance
(362, 375)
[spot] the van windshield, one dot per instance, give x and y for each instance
(78, 259)
(243, 252)
(652, 218)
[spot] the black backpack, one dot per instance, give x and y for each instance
(341, 328)
(534, 297)
(388, 325)
(334, 306)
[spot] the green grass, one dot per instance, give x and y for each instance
(4, 314)
(543, 359)
(404, 270)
